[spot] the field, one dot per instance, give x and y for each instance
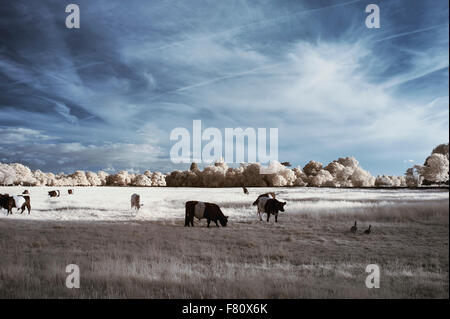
(309, 253)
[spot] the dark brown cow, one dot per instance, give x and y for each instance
(54, 193)
(273, 206)
(8, 202)
(202, 210)
(70, 191)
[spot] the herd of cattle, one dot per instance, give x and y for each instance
(265, 203)
(23, 201)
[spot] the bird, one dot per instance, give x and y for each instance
(354, 228)
(367, 231)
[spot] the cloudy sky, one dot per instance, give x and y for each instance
(107, 95)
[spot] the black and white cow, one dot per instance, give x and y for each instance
(200, 210)
(56, 193)
(20, 202)
(269, 205)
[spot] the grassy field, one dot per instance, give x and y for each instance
(303, 256)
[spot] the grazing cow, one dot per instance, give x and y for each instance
(245, 190)
(19, 201)
(270, 206)
(54, 193)
(202, 210)
(271, 194)
(135, 201)
(70, 191)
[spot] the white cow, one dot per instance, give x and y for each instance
(135, 201)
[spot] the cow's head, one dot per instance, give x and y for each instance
(223, 221)
(281, 206)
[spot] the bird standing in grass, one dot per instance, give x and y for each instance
(354, 228)
(367, 231)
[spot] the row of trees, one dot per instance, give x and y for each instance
(18, 174)
(343, 172)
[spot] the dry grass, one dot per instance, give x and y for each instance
(303, 256)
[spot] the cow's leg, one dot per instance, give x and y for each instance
(217, 225)
(209, 221)
(29, 208)
(189, 220)
(259, 213)
(276, 217)
(22, 208)
(268, 216)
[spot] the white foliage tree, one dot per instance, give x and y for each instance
(7, 175)
(436, 168)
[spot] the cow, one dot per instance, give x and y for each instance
(54, 193)
(269, 206)
(270, 194)
(70, 191)
(135, 201)
(25, 192)
(19, 201)
(245, 190)
(202, 210)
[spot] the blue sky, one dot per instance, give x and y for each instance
(107, 95)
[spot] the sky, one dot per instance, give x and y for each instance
(106, 96)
